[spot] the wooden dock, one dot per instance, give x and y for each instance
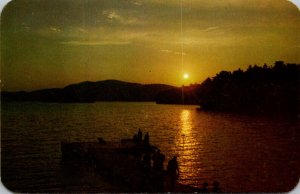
(121, 162)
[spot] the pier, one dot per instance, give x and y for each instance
(123, 162)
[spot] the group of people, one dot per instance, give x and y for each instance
(155, 162)
(138, 138)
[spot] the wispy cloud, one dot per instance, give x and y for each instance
(115, 16)
(137, 2)
(172, 52)
(111, 15)
(212, 28)
(82, 30)
(54, 29)
(95, 43)
(48, 31)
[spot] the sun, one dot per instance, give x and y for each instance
(186, 76)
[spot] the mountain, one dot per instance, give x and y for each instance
(182, 95)
(107, 90)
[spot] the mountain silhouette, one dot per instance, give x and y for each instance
(107, 90)
(180, 95)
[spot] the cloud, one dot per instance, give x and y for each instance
(82, 30)
(172, 52)
(111, 15)
(54, 29)
(137, 2)
(48, 31)
(116, 16)
(25, 27)
(210, 29)
(95, 43)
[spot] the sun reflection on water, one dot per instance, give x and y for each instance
(186, 144)
(186, 123)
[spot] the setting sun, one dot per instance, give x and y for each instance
(186, 76)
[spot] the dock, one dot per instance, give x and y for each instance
(122, 162)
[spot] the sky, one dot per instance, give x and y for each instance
(50, 44)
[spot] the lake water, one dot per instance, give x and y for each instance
(245, 153)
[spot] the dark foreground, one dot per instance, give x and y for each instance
(121, 164)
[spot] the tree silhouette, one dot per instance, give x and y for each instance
(258, 89)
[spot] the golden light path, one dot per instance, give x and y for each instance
(186, 123)
(186, 144)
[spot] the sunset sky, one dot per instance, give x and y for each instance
(53, 43)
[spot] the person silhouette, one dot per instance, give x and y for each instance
(173, 172)
(158, 160)
(135, 138)
(139, 136)
(146, 162)
(216, 188)
(146, 139)
(204, 188)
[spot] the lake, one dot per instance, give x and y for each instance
(244, 153)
